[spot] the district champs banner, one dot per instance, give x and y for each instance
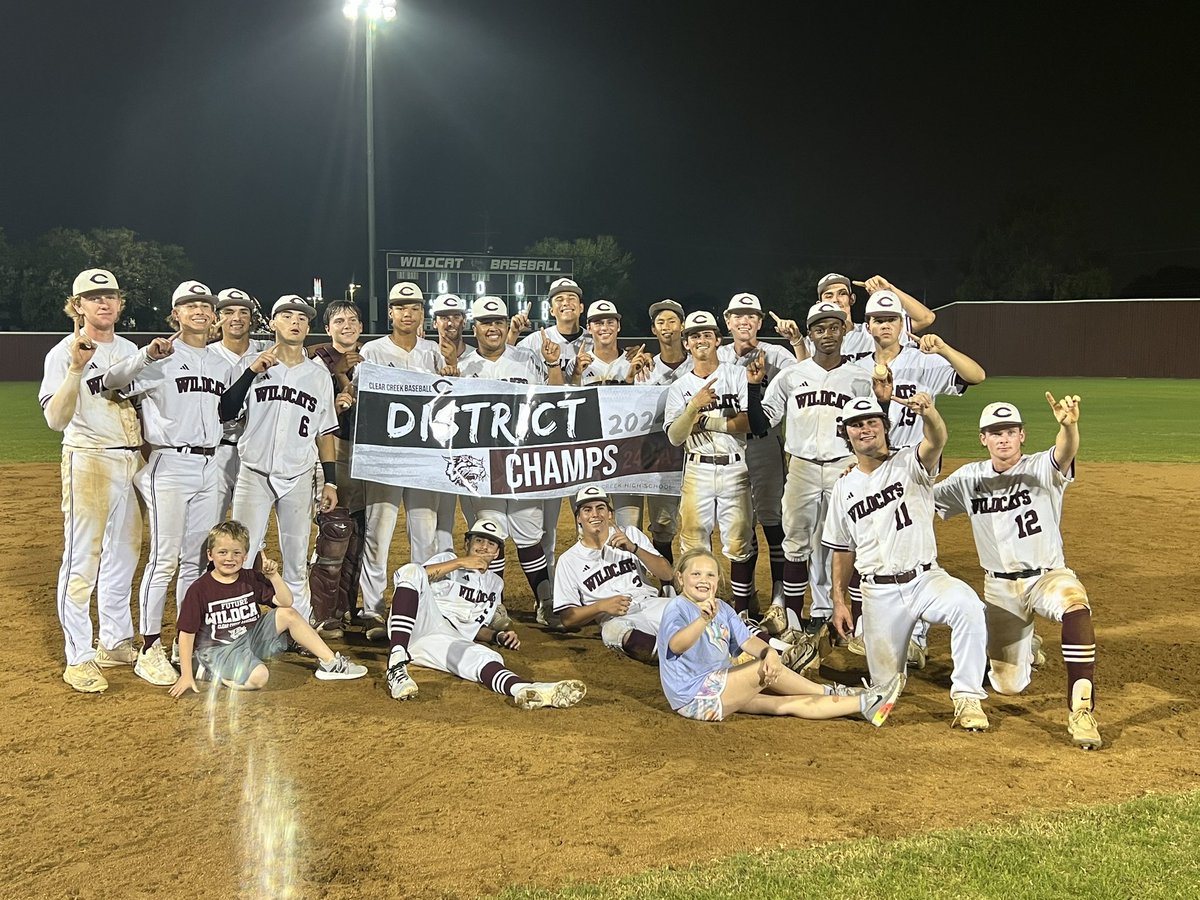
(497, 439)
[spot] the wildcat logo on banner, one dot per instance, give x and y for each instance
(496, 439)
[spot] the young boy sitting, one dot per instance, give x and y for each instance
(220, 621)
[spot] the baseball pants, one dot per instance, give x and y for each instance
(712, 496)
(180, 491)
(226, 457)
(254, 496)
(764, 460)
(805, 502)
(662, 513)
(102, 537)
(890, 611)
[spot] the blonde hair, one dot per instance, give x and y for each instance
(72, 311)
(696, 553)
(232, 529)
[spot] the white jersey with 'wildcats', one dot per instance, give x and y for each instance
(287, 407)
(465, 598)
(732, 398)
(585, 575)
(809, 399)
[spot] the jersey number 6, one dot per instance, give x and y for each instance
(304, 426)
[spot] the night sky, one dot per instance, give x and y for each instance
(719, 142)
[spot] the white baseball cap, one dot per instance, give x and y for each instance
(819, 311)
(293, 301)
(590, 494)
(862, 408)
(444, 304)
(745, 303)
(603, 309)
(884, 303)
(234, 297)
(489, 308)
(831, 279)
(405, 292)
(1004, 414)
(488, 528)
(90, 281)
(564, 286)
(190, 291)
(700, 320)
(666, 306)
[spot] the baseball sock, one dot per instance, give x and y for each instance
(795, 583)
(665, 551)
(402, 618)
(855, 591)
(149, 640)
(774, 534)
(741, 582)
(496, 566)
(639, 645)
(499, 679)
(533, 564)
(1079, 649)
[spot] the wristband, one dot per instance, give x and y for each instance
(496, 638)
(329, 472)
(714, 421)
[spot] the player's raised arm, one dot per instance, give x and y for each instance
(934, 442)
(919, 315)
(967, 369)
(60, 408)
(1066, 445)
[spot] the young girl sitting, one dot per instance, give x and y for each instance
(700, 636)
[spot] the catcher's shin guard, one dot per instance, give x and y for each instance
(347, 595)
(334, 530)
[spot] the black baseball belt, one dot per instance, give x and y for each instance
(900, 578)
(1017, 576)
(715, 460)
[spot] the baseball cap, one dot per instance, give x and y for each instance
(405, 292)
(603, 309)
(701, 320)
(862, 408)
(293, 301)
(192, 290)
(743, 302)
(489, 308)
(665, 306)
(1004, 414)
(589, 494)
(819, 311)
(234, 297)
(487, 528)
(883, 303)
(444, 304)
(91, 280)
(833, 278)
(564, 286)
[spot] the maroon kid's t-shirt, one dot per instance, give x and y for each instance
(221, 613)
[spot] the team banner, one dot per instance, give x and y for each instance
(497, 439)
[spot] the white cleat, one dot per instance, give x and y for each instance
(969, 715)
(557, 694)
(153, 666)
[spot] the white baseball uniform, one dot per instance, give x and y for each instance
(383, 500)
(912, 373)
(180, 395)
(287, 409)
(586, 575)
(716, 481)
(809, 400)
(885, 518)
(1016, 520)
(227, 454)
(102, 524)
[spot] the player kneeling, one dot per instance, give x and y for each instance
(221, 626)
(442, 610)
(697, 643)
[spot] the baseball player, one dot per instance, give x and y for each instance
(708, 412)
(566, 305)
(438, 618)
(857, 343)
(290, 422)
(236, 315)
(671, 361)
(809, 397)
(333, 577)
(1014, 500)
(100, 456)
(605, 363)
(880, 521)
(764, 452)
(602, 579)
(179, 395)
(523, 519)
(403, 348)
(930, 366)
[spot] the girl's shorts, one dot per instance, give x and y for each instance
(706, 705)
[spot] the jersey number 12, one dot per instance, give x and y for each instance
(1027, 523)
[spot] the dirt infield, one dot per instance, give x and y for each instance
(338, 791)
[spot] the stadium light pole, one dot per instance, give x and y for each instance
(372, 12)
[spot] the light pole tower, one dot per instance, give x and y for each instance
(372, 12)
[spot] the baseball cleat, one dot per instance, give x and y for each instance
(1039, 657)
(547, 617)
(916, 655)
(1085, 735)
(86, 678)
(339, 669)
(857, 645)
(775, 620)
(374, 630)
(802, 650)
(122, 654)
(969, 715)
(153, 666)
(400, 683)
(558, 694)
(876, 701)
(330, 629)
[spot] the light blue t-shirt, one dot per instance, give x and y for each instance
(683, 674)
